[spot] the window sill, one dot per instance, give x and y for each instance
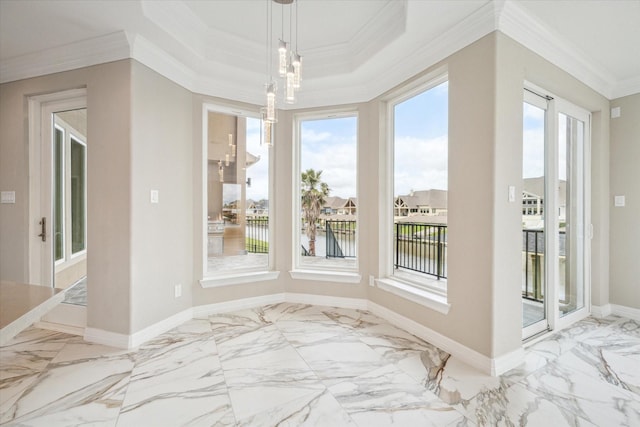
(326, 276)
(238, 278)
(423, 297)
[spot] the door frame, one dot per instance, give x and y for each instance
(554, 107)
(41, 109)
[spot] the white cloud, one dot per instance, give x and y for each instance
(420, 164)
(310, 135)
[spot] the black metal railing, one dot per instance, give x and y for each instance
(340, 239)
(421, 247)
(533, 264)
(257, 237)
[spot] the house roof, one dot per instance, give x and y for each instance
(426, 198)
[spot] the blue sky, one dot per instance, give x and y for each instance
(421, 141)
(330, 145)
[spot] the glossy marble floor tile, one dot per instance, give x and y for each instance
(303, 365)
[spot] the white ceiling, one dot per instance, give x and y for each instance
(353, 50)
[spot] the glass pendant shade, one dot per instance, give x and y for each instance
(226, 160)
(297, 70)
(270, 114)
(290, 92)
(282, 57)
(268, 133)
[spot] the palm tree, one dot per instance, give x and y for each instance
(314, 192)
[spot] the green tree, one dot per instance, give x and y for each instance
(314, 193)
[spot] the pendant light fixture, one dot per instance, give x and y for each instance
(289, 65)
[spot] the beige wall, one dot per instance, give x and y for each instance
(161, 234)
(108, 185)
(625, 221)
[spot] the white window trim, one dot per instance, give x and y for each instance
(421, 291)
(238, 278)
(301, 270)
(326, 275)
(235, 276)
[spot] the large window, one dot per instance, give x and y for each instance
(326, 192)
(418, 246)
(237, 203)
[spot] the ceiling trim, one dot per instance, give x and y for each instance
(190, 62)
(537, 37)
(94, 51)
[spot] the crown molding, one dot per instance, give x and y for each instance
(94, 51)
(196, 58)
(537, 37)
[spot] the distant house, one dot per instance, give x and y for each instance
(338, 206)
(533, 198)
(424, 202)
(259, 208)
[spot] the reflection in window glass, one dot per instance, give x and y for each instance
(237, 194)
(328, 198)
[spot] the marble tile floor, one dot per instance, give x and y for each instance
(292, 365)
(76, 294)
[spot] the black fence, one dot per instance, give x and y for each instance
(421, 247)
(257, 237)
(533, 264)
(340, 239)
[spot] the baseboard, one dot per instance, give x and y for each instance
(59, 327)
(487, 365)
(601, 311)
(160, 327)
(329, 301)
(629, 312)
(239, 304)
(112, 339)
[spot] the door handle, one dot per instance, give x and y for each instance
(43, 229)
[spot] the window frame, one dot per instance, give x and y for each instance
(301, 270)
(69, 133)
(240, 275)
(426, 291)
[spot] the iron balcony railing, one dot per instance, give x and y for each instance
(533, 264)
(533, 249)
(422, 248)
(340, 239)
(257, 237)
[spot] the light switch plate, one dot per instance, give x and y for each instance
(7, 197)
(512, 193)
(619, 201)
(155, 196)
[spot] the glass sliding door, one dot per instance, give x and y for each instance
(555, 213)
(572, 212)
(534, 280)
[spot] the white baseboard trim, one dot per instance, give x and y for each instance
(160, 327)
(329, 301)
(112, 339)
(630, 312)
(238, 304)
(601, 311)
(487, 365)
(59, 327)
